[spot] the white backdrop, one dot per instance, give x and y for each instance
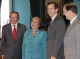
(6, 8)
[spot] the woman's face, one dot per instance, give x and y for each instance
(35, 23)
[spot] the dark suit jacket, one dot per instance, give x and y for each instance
(56, 34)
(12, 49)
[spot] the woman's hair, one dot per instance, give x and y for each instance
(39, 19)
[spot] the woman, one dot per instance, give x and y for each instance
(34, 45)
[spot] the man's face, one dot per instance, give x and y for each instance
(66, 13)
(14, 18)
(51, 10)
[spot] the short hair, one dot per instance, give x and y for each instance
(55, 5)
(39, 19)
(71, 6)
(14, 12)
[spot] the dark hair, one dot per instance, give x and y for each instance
(71, 6)
(55, 5)
(14, 12)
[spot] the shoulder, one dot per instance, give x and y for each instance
(7, 25)
(77, 22)
(60, 19)
(43, 32)
(60, 22)
(22, 25)
(27, 32)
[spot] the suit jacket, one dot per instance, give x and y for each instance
(34, 47)
(72, 41)
(56, 34)
(12, 49)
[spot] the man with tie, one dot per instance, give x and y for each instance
(72, 36)
(12, 38)
(56, 32)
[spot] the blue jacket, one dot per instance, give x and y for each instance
(34, 47)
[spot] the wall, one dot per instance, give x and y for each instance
(78, 4)
(23, 7)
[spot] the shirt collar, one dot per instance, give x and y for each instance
(14, 24)
(73, 20)
(53, 17)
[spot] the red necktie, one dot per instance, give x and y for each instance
(14, 32)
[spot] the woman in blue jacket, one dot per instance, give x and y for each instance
(34, 45)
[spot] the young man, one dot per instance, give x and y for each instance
(56, 32)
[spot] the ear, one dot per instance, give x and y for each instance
(56, 10)
(18, 18)
(70, 11)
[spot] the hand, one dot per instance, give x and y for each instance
(53, 57)
(2, 56)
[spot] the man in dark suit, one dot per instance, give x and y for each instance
(12, 38)
(56, 32)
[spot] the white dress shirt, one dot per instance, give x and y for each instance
(73, 20)
(12, 25)
(53, 18)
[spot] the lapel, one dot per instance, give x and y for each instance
(71, 26)
(18, 31)
(37, 33)
(53, 23)
(10, 31)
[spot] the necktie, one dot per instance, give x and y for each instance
(49, 24)
(69, 25)
(14, 33)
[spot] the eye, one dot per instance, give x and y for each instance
(13, 17)
(36, 22)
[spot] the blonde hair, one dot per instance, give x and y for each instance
(39, 19)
